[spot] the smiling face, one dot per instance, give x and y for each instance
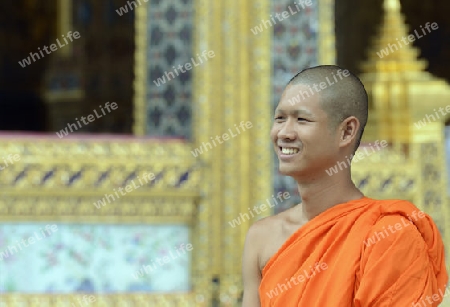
(304, 138)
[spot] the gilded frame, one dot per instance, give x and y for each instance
(58, 181)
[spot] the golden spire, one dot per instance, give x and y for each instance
(392, 5)
(392, 53)
(400, 90)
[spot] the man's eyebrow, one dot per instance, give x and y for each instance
(293, 112)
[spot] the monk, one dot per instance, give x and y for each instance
(337, 247)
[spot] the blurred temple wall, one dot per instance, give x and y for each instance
(133, 153)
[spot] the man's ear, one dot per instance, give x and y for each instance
(348, 131)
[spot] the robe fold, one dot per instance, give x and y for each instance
(365, 252)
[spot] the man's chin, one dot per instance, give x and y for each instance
(289, 170)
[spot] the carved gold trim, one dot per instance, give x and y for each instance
(260, 112)
(76, 209)
(140, 70)
(234, 86)
(234, 98)
(112, 300)
(207, 97)
(326, 34)
(386, 174)
(60, 180)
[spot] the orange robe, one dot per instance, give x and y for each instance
(365, 252)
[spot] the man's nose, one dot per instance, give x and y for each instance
(287, 131)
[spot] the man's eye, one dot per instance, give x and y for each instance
(302, 119)
(278, 117)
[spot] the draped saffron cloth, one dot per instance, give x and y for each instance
(365, 252)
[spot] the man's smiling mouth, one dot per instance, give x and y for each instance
(289, 151)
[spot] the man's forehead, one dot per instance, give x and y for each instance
(297, 111)
(303, 90)
(300, 95)
(295, 87)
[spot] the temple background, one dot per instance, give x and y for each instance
(99, 252)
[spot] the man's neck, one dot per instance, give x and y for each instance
(321, 195)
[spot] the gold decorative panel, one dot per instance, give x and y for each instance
(326, 38)
(61, 180)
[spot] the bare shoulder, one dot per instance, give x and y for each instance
(266, 227)
(266, 236)
(263, 240)
(263, 226)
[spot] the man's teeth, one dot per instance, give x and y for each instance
(289, 151)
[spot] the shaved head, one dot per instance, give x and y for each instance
(341, 94)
